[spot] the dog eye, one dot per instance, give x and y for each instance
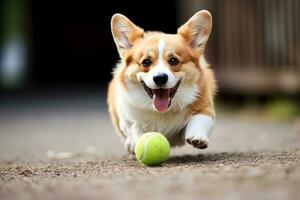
(173, 61)
(146, 62)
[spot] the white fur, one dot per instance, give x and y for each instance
(161, 48)
(199, 127)
(203, 63)
(160, 68)
(184, 96)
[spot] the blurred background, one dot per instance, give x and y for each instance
(56, 59)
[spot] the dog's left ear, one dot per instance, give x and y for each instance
(124, 32)
(196, 30)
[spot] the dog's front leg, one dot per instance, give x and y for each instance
(132, 136)
(198, 129)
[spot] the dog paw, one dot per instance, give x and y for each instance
(129, 146)
(200, 142)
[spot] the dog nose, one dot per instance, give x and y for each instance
(160, 79)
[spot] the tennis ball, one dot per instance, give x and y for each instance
(152, 148)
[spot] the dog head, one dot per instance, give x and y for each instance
(159, 70)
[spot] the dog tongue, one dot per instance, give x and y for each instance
(161, 98)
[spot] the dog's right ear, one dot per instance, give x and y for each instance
(124, 32)
(197, 30)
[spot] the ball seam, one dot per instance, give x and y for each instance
(145, 145)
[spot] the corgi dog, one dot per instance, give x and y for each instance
(162, 83)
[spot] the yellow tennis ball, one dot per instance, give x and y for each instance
(152, 148)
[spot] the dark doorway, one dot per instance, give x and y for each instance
(72, 43)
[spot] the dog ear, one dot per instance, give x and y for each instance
(196, 30)
(124, 32)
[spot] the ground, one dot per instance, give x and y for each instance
(62, 146)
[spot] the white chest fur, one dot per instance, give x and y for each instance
(136, 115)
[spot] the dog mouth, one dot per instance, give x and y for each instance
(161, 98)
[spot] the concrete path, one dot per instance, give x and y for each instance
(62, 146)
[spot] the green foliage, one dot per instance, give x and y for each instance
(281, 108)
(12, 17)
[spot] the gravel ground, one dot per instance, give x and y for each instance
(62, 146)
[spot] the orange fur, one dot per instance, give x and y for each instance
(205, 101)
(112, 106)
